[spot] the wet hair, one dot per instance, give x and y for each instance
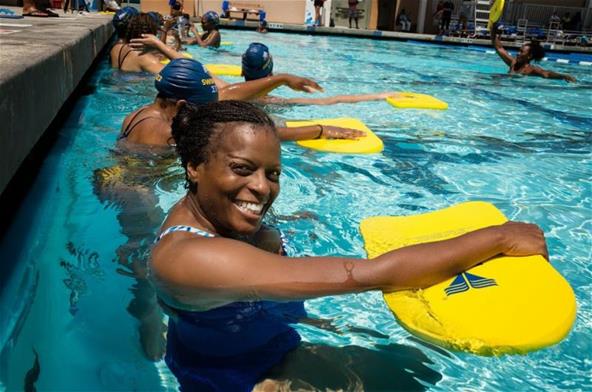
(196, 129)
(140, 24)
(536, 50)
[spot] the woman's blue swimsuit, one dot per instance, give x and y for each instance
(229, 348)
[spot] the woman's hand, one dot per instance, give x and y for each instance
(569, 78)
(301, 84)
(523, 239)
(147, 40)
(331, 132)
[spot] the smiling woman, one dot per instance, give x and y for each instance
(221, 273)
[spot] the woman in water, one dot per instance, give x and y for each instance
(527, 53)
(224, 277)
(257, 64)
(211, 36)
(128, 58)
(185, 81)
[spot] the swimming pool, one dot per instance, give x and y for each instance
(522, 144)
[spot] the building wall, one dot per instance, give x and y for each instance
(278, 11)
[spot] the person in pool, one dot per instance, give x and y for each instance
(185, 81)
(527, 53)
(223, 276)
(129, 56)
(211, 36)
(257, 63)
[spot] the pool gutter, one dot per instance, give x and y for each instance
(43, 61)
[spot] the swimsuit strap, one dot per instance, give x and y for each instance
(184, 228)
(120, 60)
(130, 126)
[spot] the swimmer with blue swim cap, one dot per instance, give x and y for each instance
(140, 50)
(121, 19)
(257, 63)
(186, 81)
(211, 36)
(182, 81)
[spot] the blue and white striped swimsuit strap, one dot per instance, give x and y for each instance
(187, 229)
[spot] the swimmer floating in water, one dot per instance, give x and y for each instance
(257, 63)
(223, 275)
(187, 81)
(527, 53)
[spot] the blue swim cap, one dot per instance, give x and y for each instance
(257, 62)
(212, 17)
(155, 16)
(123, 15)
(186, 79)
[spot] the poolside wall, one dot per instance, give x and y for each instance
(43, 60)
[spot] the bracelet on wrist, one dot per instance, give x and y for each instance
(320, 132)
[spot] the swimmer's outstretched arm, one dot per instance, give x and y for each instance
(499, 49)
(318, 131)
(245, 91)
(551, 75)
(209, 271)
(327, 100)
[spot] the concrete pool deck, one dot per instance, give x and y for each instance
(43, 60)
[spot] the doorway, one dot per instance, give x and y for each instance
(386, 15)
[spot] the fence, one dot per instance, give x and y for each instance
(537, 15)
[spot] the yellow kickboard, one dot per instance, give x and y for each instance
(407, 100)
(224, 69)
(495, 12)
(226, 43)
(185, 54)
(368, 144)
(508, 305)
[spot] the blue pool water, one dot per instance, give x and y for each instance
(523, 144)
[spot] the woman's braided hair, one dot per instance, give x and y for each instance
(195, 127)
(140, 24)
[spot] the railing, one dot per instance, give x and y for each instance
(541, 14)
(537, 15)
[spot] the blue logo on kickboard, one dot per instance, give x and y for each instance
(465, 281)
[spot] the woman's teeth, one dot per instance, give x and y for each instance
(253, 208)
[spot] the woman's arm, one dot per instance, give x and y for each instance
(318, 131)
(154, 42)
(499, 49)
(551, 75)
(245, 91)
(213, 39)
(212, 271)
(329, 100)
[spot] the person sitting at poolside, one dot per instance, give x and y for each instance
(211, 36)
(257, 63)
(126, 56)
(185, 81)
(39, 9)
(527, 53)
(224, 277)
